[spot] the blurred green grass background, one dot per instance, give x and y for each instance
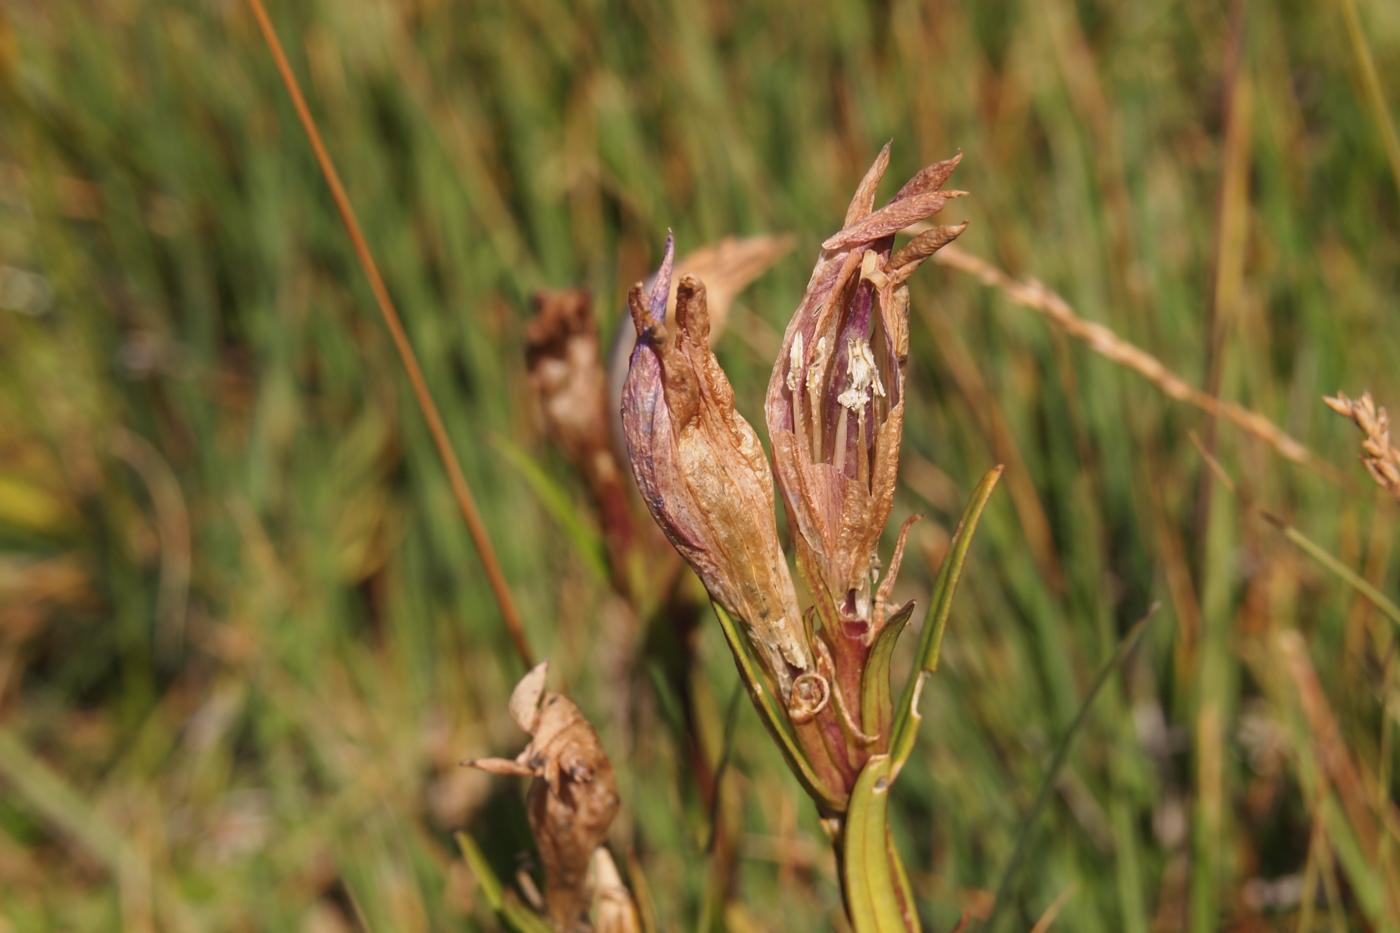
(244, 639)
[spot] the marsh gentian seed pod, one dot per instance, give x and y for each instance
(703, 473)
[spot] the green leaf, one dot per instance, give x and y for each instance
(1047, 784)
(874, 879)
(901, 879)
(876, 694)
(516, 915)
(906, 725)
(773, 717)
(1341, 571)
(586, 539)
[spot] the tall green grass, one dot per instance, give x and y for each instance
(238, 668)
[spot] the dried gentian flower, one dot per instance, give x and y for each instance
(566, 372)
(835, 407)
(573, 795)
(727, 267)
(703, 473)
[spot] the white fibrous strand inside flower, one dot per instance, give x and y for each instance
(863, 384)
(864, 376)
(794, 376)
(839, 418)
(816, 375)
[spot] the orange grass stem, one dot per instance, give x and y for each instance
(460, 490)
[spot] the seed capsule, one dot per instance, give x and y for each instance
(703, 473)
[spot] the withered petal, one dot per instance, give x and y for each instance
(891, 219)
(525, 698)
(929, 178)
(864, 200)
(660, 286)
(925, 245)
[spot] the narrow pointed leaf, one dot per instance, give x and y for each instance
(516, 915)
(876, 699)
(1047, 784)
(584, 537)
(770, 714)
(907, 716)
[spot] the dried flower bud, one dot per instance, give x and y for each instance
(703, 473)
(835, 404)
(614, 910)
(727, 267)
(573, 794)
(566, 372)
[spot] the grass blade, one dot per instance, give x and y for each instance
(515, 914)
(1344, 573)
(552, 497)
(1307, 545)
(877, 701)
(1057, 762)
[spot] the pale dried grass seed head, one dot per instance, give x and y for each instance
(1380, 458)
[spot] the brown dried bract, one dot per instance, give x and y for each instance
(573, 795)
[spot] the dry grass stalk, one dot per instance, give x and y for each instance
(1052, 913)
(1338, 768)
(1380, 458)
(457, 480)
(1032, 294)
